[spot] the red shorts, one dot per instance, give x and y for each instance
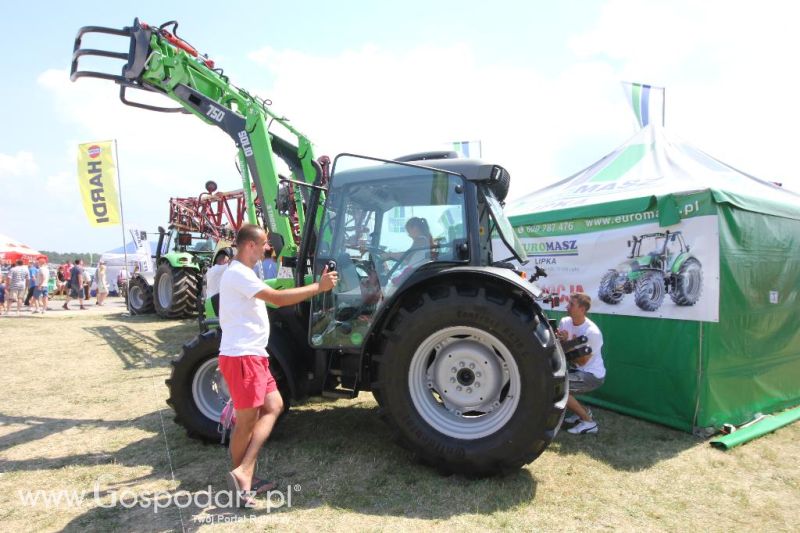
(249, 379)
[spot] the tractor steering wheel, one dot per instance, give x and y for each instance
(404, 258)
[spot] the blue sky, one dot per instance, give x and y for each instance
(537, 82)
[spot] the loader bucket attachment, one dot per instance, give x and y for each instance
(135, 60)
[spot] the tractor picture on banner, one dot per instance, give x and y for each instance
(630, 265)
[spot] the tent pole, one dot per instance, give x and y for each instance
(122, 219)
(699, 378)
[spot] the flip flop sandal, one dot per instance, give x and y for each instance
(243, 499)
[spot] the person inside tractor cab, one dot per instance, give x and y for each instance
(419, 251)
(214, 275)
(586, 373)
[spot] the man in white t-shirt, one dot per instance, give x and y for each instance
(243, 354)
(586, 373)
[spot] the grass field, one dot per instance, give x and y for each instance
(83, 407)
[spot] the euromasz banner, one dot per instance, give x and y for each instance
(97, 180)
(631, 266)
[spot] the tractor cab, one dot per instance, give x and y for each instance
(657, 250)
(192, 246)
(384, 225)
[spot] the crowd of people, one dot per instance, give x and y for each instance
(30, 286)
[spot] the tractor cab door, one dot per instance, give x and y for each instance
(382, 221)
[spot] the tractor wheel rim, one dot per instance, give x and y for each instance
(464, 382)
(135, 296)
(650, 288)
(209, 391)
(692, 279)
(165, 291)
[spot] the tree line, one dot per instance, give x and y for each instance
(68, 257)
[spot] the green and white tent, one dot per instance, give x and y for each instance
(657, 208)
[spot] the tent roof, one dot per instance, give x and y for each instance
(12, 249)
(131, 247)
(643, 174)
(114, 259)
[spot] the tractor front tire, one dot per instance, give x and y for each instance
(175, 291)
(608, 292)
(197, 390)
(650, 292)
(139, 296)
(471, 379)
(688, 283)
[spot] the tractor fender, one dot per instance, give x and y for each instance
(148, 277)
(633, 265)
(476, 274)
(179, 260)
(679, 261)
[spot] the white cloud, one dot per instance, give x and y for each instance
(21, 164)
(61, 185)
(727, 66)
(386, 104)
(170, 152)
(160, 155)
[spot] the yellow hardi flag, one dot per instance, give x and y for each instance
(97, 177)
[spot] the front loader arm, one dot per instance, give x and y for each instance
(159, 61)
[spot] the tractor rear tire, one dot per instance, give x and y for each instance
(649, 292)
(175, 291)
(608, 292)
(486, 335)
(688, 283)
(139, 296)
(197, 390)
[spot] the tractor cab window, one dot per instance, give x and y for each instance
(654, 245)
(381, 223)
(503, 227)
(674, 245)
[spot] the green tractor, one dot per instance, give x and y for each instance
(451, 341)
(659, 264)
(197, 227)
(172, 291)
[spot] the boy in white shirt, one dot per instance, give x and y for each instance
(214, 276)
(586, 373)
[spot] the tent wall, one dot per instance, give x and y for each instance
(688, 374)
(651, 368)
(752, 355)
